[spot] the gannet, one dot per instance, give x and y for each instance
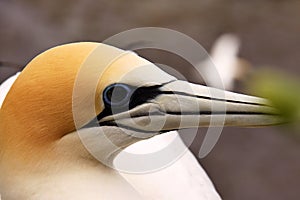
(54, 104)
(224, 62)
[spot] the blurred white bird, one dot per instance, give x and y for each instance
(224, 65)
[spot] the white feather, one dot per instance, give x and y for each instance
(184, 179)
(5, 87)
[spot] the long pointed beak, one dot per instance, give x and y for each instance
(181, 104)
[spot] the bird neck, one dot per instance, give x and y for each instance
(76, 183)
(62, 174)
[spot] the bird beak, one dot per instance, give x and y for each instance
(181, 104)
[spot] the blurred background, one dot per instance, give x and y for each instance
(245, 164)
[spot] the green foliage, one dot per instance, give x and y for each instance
(282, 90)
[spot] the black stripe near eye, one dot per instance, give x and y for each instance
(138, 97)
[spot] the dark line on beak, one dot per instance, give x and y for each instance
(213, 99)
(202, 113)
(220, 113)
(114, 123)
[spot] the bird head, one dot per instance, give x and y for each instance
(89, 91)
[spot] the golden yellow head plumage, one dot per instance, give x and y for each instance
(41, 98)
(39, 108)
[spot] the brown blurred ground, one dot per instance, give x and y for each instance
(246, 163)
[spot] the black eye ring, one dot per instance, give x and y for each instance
(117, 95)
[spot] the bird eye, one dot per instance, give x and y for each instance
(117, 95)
